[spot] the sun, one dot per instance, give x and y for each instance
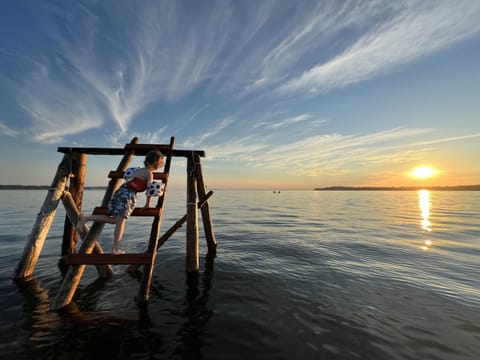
(423, 172)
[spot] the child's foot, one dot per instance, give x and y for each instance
(81, 221)
(117, 251)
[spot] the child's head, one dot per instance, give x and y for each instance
(153, 159)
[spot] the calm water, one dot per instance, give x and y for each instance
(298, 275)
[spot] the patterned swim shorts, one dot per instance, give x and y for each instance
(123, 202)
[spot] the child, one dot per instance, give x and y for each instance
(123, 201)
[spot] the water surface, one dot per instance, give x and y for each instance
(298, 275)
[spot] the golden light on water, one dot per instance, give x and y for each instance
(425, 224)
(423, 172)
(424, 198)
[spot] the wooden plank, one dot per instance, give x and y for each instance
(138, 211)
(156, 175)
(107, 259)
(121, 151)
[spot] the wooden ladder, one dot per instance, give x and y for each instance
(85, 256)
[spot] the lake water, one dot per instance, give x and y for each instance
(298, 275)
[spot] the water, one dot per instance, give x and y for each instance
(298, 275)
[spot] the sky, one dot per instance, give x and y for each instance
(279, 94)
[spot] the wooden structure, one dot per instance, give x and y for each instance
(72, 169)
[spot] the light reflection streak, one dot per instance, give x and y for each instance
(424, 197)
(425, 224)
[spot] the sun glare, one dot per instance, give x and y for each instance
(423, 172)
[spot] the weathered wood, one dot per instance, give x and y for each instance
(156, 175)
(138, 211)
(206, 218)
(44, 220)
(78, 164)
(193, 260)
(173, 229)
(146, 280)
(120, 151)
(110, 259)
(74, 274)
(72, 215)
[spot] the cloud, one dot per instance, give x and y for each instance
(102, 66)
(216, 129)
(327, 153)
(418, 29)
(7, 131)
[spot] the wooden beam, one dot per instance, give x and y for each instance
(44, 220)
(205, 210)
(156, 175)
(138, 211)
(121, 151)
(78, 167)
(146, 280)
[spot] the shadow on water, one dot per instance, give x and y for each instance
(73, 333)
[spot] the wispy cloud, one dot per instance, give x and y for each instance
(7, 131)
(327, 153)
(93, 66)
(284, 122)
(215, 129)
(416, 30)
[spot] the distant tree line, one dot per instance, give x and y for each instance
(401, 188)
(40, 187)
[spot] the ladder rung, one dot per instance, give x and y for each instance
(107, 259)
(156, 175)
(100, 210)
(164, 148)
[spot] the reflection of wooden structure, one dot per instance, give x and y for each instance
(73, 166)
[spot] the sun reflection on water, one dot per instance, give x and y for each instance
(425, 224)
(424, 198)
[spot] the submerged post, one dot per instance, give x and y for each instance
(193, 261)
(77, 182)
(44, 220)
(205, 209)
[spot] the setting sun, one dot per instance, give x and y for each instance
(423, 172)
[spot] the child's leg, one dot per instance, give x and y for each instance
(118, 234)
(82, 219)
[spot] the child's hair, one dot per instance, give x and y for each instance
(153, 157)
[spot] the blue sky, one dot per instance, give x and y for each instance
(280, 94)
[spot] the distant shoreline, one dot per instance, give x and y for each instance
(330, 188)
(41, 187)
(401, 188)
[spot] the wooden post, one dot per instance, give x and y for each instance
(207, 220)
(162, 239)
(104, 271)
(193, 261)
(44, 220)
(146, 280)
(74, 274)
(77, 181)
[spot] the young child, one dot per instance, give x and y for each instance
(124, 200)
